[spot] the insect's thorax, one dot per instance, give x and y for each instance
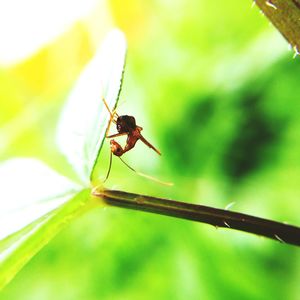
(126, 124)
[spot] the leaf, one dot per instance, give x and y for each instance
(82, 125)
(29, 190)
(36, 203)
(17, 249)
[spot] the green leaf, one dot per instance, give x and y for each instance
(17, 249)
(36, 204)
(29, 190)
(82, 125)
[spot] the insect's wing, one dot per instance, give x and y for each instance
(83, 122)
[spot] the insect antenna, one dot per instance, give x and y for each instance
(147, 176)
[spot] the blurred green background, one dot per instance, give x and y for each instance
(216, 89)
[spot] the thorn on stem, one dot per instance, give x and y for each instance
(271, 4)
(229, 205)
(296, 51)
(226, 224)
(279, 239)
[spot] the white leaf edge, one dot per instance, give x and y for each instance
(29, 190)
(81, 128)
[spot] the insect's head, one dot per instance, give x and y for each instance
(126, 124)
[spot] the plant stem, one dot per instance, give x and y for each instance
(285, 16)
(217, 217)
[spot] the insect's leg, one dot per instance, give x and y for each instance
(108, 109)
(146, 176)
(117, 150)
(127, 165)
(112, 116)
(148, 144)
(116, 135)
(109, 123)
(109, 168)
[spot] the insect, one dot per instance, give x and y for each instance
(126, 125)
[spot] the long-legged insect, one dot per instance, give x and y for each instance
(126, 125)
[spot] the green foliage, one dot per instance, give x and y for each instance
(18, 248)
(41, 202)
(215, 89)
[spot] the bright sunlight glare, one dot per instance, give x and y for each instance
(26, 26)
(27, 197)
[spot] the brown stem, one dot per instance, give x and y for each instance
(217, 217)
(285, 16)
